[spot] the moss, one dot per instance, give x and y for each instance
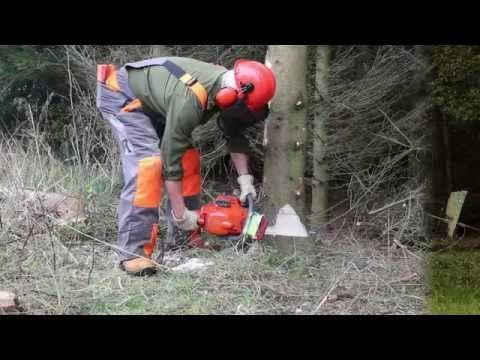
(454, 281)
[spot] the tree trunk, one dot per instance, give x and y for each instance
(423, 168)
(285, 137)
(320, 176)
(447, 151)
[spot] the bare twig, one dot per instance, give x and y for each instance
(334, 285)
(458, 224)
(93, 264)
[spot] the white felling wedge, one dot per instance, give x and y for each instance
(287, 223)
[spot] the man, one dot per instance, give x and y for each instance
(153, 106)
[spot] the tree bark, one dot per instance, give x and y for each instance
(424, 169)
(320, 176)
(447, 151)
(285, 137)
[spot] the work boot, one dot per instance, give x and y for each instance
(139, 267)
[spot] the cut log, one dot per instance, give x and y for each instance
(8, 302)
(67, 209)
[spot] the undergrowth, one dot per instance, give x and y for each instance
(453, 279)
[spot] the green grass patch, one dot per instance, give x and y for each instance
(163, 295)
(454, 282)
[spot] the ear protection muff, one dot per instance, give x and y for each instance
(228, 96)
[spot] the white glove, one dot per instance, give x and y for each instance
(246, 187)
(189, 221)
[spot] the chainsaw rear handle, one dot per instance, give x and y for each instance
(250, 203)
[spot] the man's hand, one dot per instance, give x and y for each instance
(183, 218)
(246, 187)
(245, 180)
(189, 221)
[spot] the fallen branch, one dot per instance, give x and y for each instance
(458, 224)
(391, 205)
(332, 288)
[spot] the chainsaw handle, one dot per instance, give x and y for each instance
(201, 219)
(250, 203)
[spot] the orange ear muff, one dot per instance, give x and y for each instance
(226, 97)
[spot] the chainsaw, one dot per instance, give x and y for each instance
(228, 219)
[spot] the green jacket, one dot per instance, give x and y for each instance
(163, 94)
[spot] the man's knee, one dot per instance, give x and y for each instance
(149, 184)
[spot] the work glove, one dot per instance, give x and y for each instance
(189, 222)
(246, 187)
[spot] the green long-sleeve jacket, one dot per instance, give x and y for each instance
(162, 93)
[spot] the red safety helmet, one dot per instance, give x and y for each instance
(256, 84)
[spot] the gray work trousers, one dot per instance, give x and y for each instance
(139, 140)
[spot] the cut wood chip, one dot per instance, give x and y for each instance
(192, 265)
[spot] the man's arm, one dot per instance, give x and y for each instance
(182, 118)
(244, 179)
(183, 218)
(174, 190)
(240, 161)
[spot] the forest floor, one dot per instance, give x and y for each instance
(453, 279)
(348, 276)
(59, 269)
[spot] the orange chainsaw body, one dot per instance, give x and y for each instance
(226, 216)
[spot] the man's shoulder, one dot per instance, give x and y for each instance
(196, 63)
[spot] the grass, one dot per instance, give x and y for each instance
(454, 282)
(175, 294)
(55, 270)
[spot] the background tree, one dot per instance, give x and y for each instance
(35, 73)
(320, 176)
(455, 93)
